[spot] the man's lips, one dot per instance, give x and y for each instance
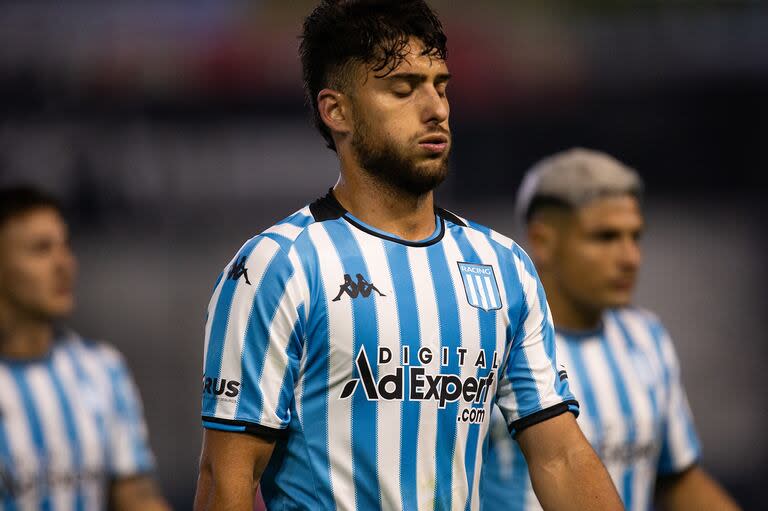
(434, 143)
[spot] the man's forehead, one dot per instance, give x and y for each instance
(607, 209)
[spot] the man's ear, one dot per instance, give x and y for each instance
(542, 240)
(335, 111)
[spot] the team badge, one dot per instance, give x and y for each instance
(480, 286)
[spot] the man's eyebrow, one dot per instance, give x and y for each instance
(416, 78)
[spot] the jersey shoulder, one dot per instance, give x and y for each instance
(103, 353)
(497, 239)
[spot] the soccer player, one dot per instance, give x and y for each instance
(582, 213)
(355, 370)
(71, 432)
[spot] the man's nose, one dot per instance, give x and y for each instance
(436, 108)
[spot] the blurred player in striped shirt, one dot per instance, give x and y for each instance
(72, 436)
(353, 351)
(582, 213)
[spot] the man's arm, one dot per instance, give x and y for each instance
(692, 490)
(231, 465)
(565, 471)
(139, 493)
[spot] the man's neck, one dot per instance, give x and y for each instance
(25, 339)
(409, 217)
(566, 313)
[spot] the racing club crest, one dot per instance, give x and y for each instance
(480, 286)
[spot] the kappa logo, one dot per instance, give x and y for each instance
(239, 270)
(354, 289)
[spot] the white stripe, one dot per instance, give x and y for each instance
(19, 437)
(613, 427)
(54, 433)
(484, 248)
(341, 362)
(276, 356)
(470, 285)
(286, 230)
(91, 446)
(429, 327)
(300, 280)
(469, 327)
(213, 302)
(389, 412)
(539, 362)
(638, 396)
(481, 292)
(491, 295)
(231, 367)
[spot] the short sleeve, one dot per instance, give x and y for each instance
(532, 387)
(254, 341)
(128, 440)
(680, 446)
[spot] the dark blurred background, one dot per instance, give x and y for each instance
(176, 129)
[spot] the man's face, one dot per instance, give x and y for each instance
(597, 254)
(37, 267)
(401, 133)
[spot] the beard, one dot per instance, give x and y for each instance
(387, 161)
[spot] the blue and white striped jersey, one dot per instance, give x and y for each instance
(69, 424)
(376, 360)
(634, 412)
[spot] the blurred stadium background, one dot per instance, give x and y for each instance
(176, 129)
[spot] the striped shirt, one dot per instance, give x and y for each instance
(375, 360)
(634, 412)
(69, 423)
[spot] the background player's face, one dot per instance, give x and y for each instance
(37, 267)
(401, 132)
(597, 254)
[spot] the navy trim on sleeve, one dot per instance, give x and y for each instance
(548, 413)
(244, 427)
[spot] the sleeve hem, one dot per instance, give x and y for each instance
(675, 472)
(548, 413)
(250, 428)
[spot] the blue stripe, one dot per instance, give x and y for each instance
(587, 399)
(365, 334)
(265, 306)
(408, 318)
(293, 351)
(299, 219)
(521, 480)
(219, 327)
(667, 463)
(83, 378)
(6, 460)
(72, 433)
(314, 396)
(630, 348)
(627, 412)
(35, 427)
(450, 336)
(222, 427)
(127, 409)
(487, 321)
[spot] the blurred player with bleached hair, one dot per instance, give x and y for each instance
(583, 219)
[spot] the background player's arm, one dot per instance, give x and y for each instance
(692, 490)
(139, 493)
(565, 471)
(230, 468)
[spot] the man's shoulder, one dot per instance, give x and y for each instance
(81, 348)
(497, 239)
(635, 313)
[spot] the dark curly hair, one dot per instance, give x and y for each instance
(339, 33)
